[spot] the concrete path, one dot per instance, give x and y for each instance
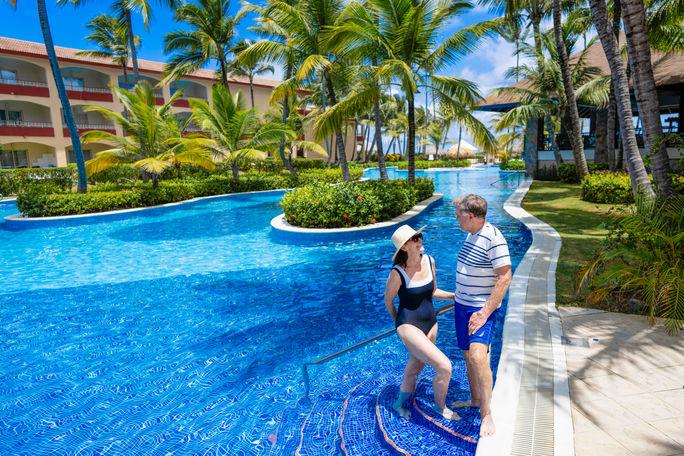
(626, 384)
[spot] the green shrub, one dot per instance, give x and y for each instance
(18, 180)
(425, 164)
(513, 165)
(607, 187)
(352, 203)
(117, 173)
(34, 204)
(393, 157)
(566, 171)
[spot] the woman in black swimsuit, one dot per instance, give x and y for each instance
(413, 279)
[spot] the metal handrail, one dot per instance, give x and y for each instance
(382, 335)
(514, 173)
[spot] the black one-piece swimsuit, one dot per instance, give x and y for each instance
(415, 303)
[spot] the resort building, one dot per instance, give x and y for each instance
(33, 132)
(538, 149)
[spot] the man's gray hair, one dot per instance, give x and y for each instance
(472, 203)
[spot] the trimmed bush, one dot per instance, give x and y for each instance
(607, 188)
(512, 165)
(352, 203)
(19, 180)
(425, 164)
(566, 171)
(117, 173)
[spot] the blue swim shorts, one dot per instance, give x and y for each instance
(462, 316)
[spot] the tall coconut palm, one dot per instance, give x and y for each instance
(110, 35)
(635, 165)
(235, 131)
(277, 49)
(153, 138)
(636, 33)
(248, 67)
(575, 132)
(409, 32)
(210, 37)
(82, 184)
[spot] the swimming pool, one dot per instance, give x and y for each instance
(183, 330)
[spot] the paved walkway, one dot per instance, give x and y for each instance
(626, 384)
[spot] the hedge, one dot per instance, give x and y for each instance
(353, 203)
(114, 196)
(425, 164)
(615, 188)
(566, 172)
(18, 180)
(512, 165)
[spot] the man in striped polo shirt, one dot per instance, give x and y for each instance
(483, 274)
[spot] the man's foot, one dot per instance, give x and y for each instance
(404, 413)
(487, 427)
(461, 404)
(447, 413)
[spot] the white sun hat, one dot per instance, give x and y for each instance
(402, 235)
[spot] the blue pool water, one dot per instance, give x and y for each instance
(183, 330)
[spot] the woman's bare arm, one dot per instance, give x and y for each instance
(391, 290)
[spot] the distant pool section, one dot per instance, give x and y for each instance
(184, 329)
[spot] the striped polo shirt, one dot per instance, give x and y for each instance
(480, 255)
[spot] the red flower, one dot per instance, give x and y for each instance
(327, 206)
(360, 198)
(345, 216)
(373, 221)
(44, 207)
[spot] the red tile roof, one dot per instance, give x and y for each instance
(31, 49)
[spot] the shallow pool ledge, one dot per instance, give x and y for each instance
(531, 400)
(282, 227)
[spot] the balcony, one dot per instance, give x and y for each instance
(26, 128)
(88, 93)
(82, 128)
(182, 102)
(19, 87)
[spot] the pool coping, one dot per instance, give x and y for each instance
(506, 393)
(280, 224)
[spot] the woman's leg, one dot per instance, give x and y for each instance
(408, 385)
(424, 350)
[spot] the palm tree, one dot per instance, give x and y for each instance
(635, 165)
(636, 33)
(235, 131)
(409, 33)
(111, 36)
(82, 184)
(248, 67)
(210, 37)
(153, 139)
(575, 134)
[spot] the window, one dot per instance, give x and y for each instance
(72, 83)
(8, 77)
(8, 117)
(13, 159)
(72, 157)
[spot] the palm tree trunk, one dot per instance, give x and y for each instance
(635, 165)
(411, 141)
(341, 153)
(611, 131)
(234, 168)
(178, 171)
(458, 146)
(131, 44)
(224, 69)
(378, 139)
(286, 107)
(573, 115)
(552, 137)
(82, 185)
(251, 87)
(636, 33)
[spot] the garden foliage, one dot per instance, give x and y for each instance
(566, 172)
(607, 188)
(13, 181)
(425, 164)
(642, 258)
(353, 203)
(512, 165)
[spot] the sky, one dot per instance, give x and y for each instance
(487, 67)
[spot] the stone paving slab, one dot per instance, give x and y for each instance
(626, 387)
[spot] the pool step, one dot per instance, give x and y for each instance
(425, 432)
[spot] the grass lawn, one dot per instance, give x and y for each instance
(580, 225)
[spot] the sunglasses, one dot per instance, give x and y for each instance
(417, 237)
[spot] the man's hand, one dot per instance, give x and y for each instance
(477, 320)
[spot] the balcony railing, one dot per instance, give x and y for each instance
(82, 128)
(77, 92)
(25, 128)
(20, 87)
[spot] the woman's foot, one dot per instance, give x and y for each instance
(487, 427)
(398, 405)
(447, 413)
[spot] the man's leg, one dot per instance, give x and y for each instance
(479, 361)
(473, 382)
